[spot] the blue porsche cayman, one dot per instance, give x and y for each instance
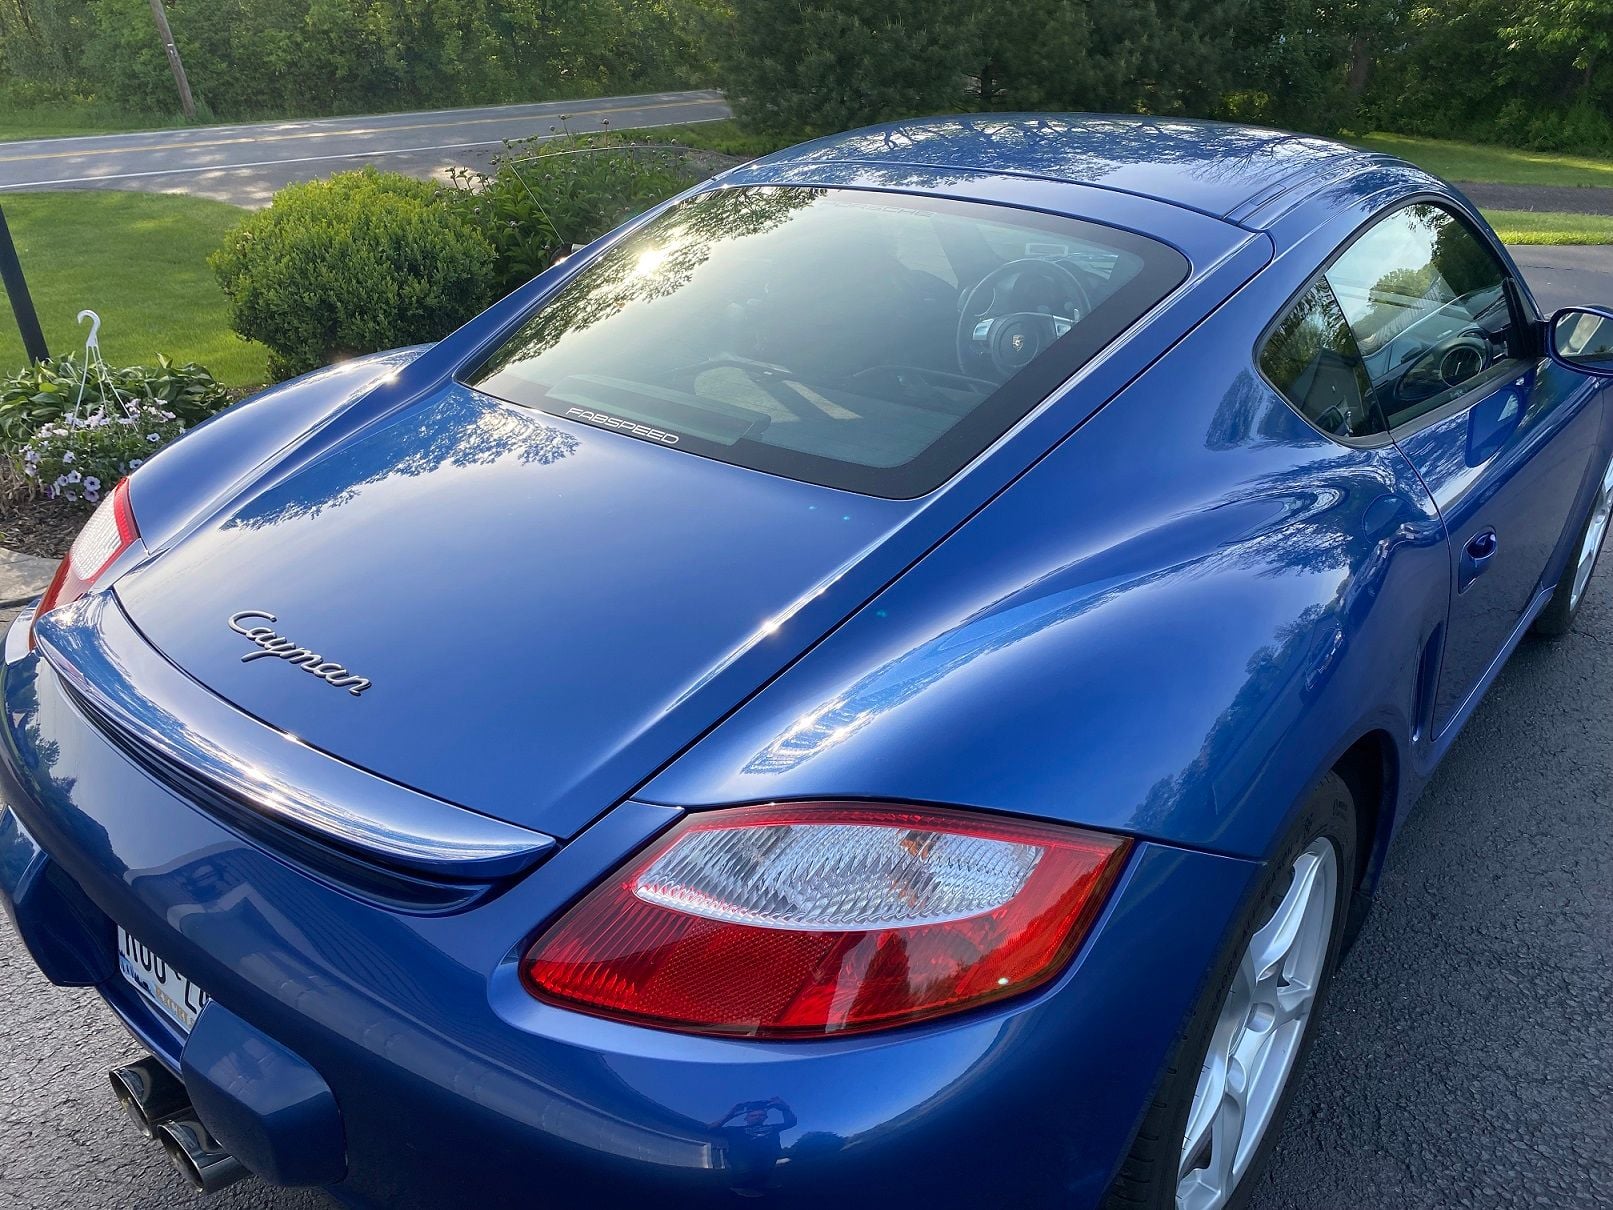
(887, 680)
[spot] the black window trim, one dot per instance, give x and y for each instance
(1517, 307)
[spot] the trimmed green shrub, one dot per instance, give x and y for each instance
(543, 197)
(360, 262)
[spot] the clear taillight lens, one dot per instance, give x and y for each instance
(109, 532)
(825, 918)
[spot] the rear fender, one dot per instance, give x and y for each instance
(1167, 627)
(181, 484)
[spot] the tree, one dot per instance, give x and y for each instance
(1030, 54)
(42, 43)
(1578, 31)
(793, 65)
(1192, 53)
(1299, 67)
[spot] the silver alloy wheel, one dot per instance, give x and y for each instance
(1594, 533)
(1258, 1033)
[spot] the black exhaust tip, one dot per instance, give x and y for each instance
(149, 1093)
(198, 1156)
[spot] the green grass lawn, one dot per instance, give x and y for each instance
(140, 261)
(1498, 165)
(1546, 227)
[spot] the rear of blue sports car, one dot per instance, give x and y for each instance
(329, 758)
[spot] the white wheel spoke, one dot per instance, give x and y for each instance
(1227, 1136)
(1271, 944)
(1595, 532)
(1293, 1003)
(1206, 1106)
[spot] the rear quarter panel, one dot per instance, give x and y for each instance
(1171, 625)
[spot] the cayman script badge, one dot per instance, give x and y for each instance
(282, 648)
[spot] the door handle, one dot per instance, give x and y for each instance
(1477, 555)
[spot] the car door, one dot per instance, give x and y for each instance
(1501, 437)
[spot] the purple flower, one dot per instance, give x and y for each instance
(153, 437)
(61, 480)
(68, 457)
(72, 476)
(91, 484)
(30, 470)
(91, 497)
(72, 498)
(135, 463)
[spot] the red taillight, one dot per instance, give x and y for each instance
(826, 918)
(107, 534)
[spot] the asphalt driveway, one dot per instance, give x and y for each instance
(1567, 276)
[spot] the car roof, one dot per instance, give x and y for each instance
(1217, 168)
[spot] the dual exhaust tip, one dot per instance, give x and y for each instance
(157, 1103)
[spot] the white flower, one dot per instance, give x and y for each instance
(153, 437)
(61, 480)
(68, 457)
(30, 470)
(30, 455)
(135, 463)
(72, 476)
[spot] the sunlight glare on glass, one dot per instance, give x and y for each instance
(650, 260)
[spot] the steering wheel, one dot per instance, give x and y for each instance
(1446, 363)
(997, 335)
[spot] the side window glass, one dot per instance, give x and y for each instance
(1311, 358)
(1428, 306)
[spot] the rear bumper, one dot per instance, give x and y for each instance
(451, 1084)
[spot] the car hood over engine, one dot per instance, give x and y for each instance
(535, 615)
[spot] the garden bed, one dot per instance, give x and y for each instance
(41, 527)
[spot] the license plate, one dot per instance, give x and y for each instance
(175, 996)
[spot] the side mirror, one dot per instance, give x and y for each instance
(1581, 338)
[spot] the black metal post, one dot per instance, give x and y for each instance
(22, 306)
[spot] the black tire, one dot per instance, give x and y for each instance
(1147, 1177)
(1557, 619)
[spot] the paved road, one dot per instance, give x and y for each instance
(246, 164)
(1572, 199)
(1466, 1058)
(1569, 276)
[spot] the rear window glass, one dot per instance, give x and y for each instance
(868, 341)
